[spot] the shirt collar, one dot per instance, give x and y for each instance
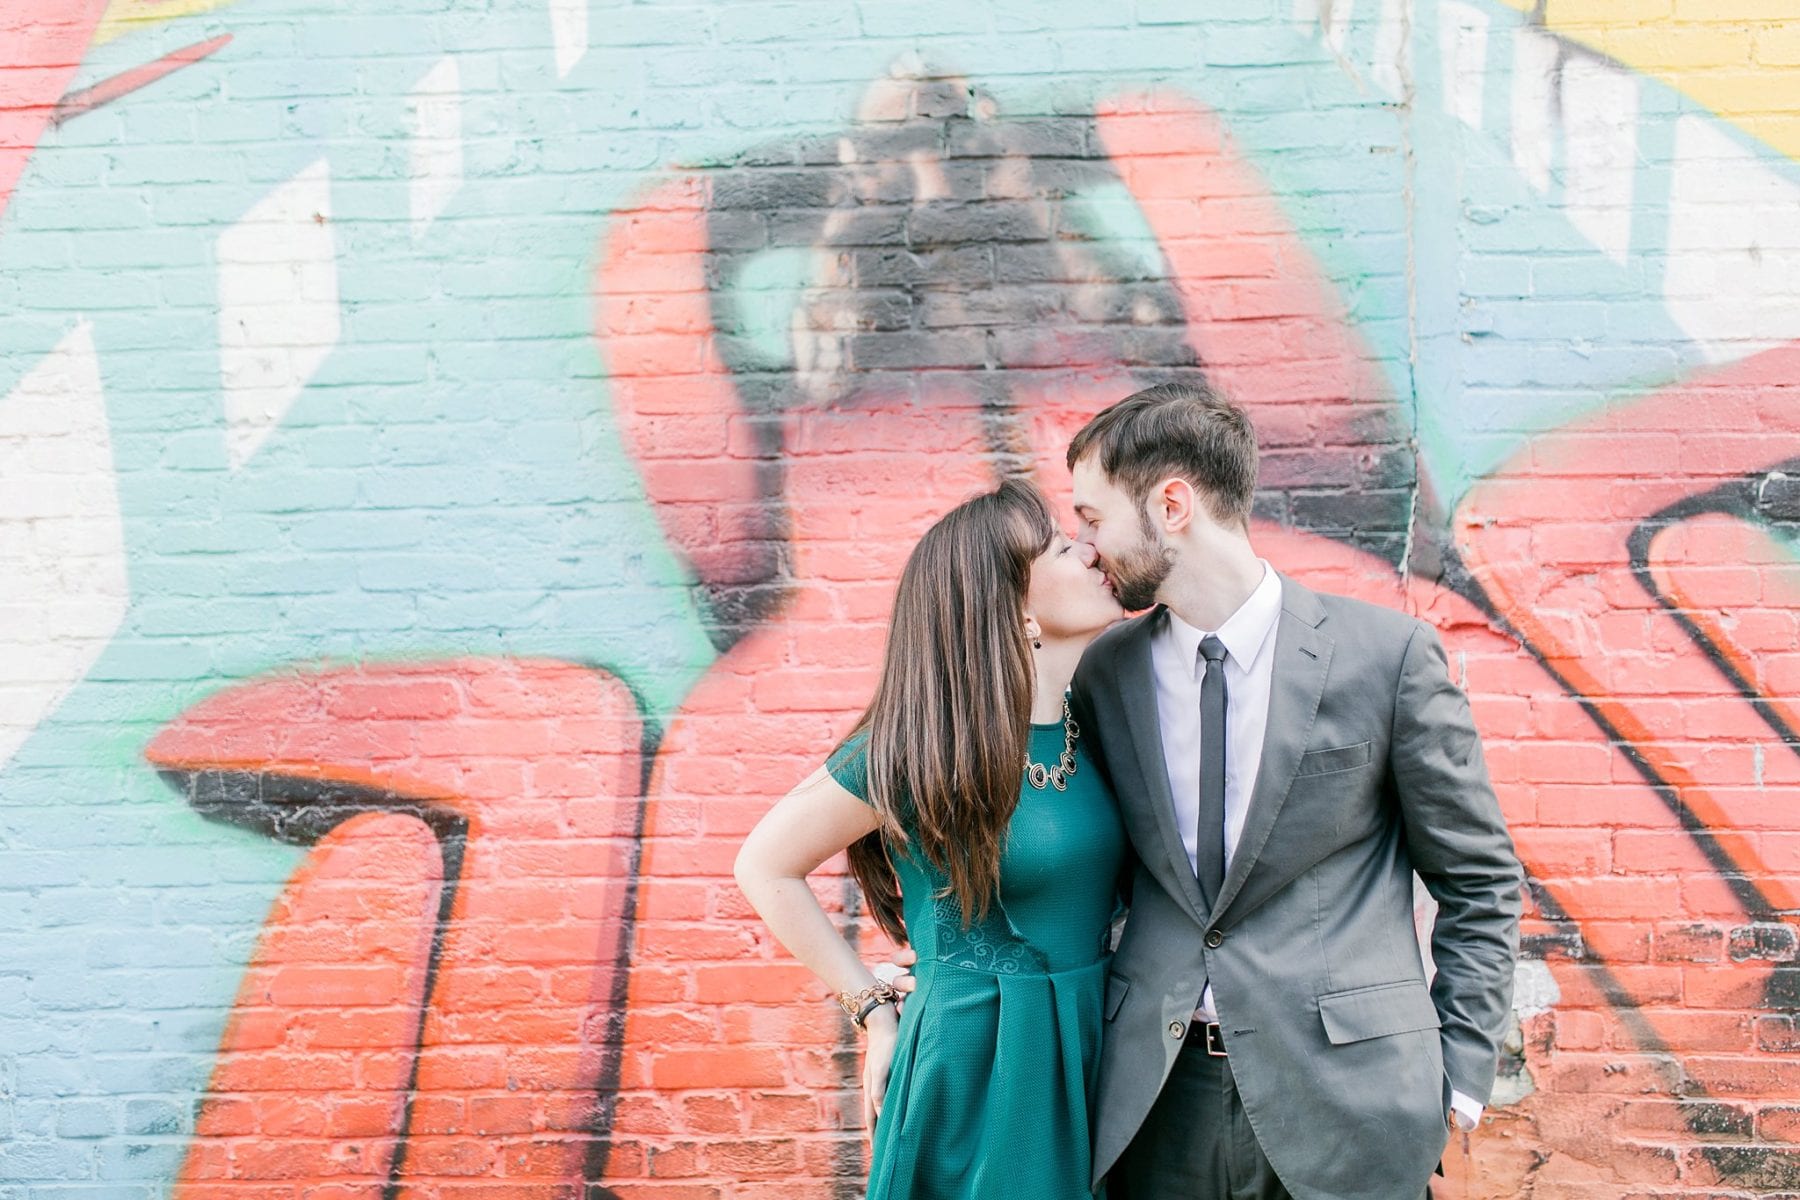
(1245, 632)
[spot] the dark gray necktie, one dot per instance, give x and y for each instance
(1210, 840)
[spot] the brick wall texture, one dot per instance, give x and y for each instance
(455, 456)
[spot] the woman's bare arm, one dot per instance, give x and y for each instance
(816, 820)
(806, 827)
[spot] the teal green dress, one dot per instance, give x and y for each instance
(993, 1075)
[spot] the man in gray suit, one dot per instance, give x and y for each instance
(1286, 760)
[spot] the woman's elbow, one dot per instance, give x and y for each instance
(747, 868)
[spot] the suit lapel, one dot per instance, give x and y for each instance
(1136, 680)
(1302, 660)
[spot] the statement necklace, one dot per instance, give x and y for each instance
(1041, 776)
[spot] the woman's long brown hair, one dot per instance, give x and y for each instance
(949, 725)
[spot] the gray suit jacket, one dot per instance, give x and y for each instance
(1371, 770)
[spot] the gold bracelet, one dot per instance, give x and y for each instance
(859, 1004)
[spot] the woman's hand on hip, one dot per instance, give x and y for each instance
(878, 1059)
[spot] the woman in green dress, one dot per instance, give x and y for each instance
(983, 835)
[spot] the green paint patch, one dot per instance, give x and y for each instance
(1109, 213)
(764, 295)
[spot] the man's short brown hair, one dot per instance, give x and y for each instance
(1176, 429)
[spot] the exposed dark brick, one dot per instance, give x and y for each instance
(769, 189)
(1783, 990)
(1546, 946)
(875, 351)
(1778, 495)
(1042, 263)
(1765, 943)
(885, 311)
(1352, 510)
(977, 221)
(1309, 468)
(1387, 546)
(857, 225)
(733, 612)
(737, 229)
(1164, 347)
(758, 392)
(1709, 1119)
(1395, 465)
(958, 266)
(1765, 1167)
(895, 145)
(1364, 425)
(819, 151)
(990, 307)
(1055, 178)
(1033, 348)
(1059, 137)
(1271, 506)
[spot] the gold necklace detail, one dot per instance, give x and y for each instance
(1041, 776)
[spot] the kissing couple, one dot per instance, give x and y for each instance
(1158, 872)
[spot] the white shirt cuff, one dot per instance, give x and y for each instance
(1465, 1110)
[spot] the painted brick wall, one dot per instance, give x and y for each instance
(454, 459)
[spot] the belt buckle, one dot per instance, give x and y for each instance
(1215, 1040)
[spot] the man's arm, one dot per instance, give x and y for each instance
(1461, 849)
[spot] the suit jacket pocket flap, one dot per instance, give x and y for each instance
(1336, 758)
(1116, 987)
(1372, 1012)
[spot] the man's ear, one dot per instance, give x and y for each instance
(1172, 502)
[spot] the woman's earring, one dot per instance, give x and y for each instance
(1036, 644)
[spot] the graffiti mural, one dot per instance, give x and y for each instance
(455, 477)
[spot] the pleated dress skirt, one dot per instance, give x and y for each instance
(990, 1089)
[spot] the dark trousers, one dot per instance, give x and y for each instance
(1196, 1144)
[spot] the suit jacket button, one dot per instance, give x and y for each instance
(1175, 1029)
(1215, 938)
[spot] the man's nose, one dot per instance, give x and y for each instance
(1085, 548)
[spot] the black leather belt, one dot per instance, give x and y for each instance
(1207, 1033)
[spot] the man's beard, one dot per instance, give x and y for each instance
(1138, 574)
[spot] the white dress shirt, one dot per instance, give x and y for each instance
(1249, 638)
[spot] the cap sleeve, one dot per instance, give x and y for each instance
(849, 765)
